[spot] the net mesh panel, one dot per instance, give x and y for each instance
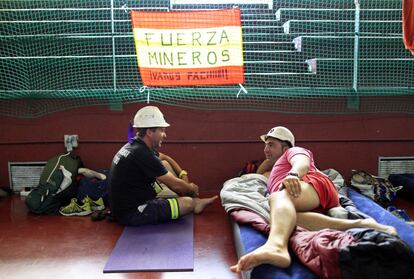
(301, 56)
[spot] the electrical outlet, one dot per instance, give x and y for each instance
(71, 141)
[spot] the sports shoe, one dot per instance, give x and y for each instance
(401, 214)
(100, 215)
(95, 205)
(74, 209)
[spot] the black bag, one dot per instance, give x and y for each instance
(377, 188)
(249, 167)
(406, 180)
(49, 195)
(42, 199)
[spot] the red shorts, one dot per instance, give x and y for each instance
(328, 195)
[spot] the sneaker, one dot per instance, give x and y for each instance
(99, 215)
(401, 214)
(74, 209)
(95, 205)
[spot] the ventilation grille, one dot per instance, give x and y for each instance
(393, 165)
(24, 174)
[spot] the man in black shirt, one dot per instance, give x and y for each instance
(134, 171)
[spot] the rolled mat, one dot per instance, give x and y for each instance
(162, 247)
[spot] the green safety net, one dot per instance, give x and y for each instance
(300, 56)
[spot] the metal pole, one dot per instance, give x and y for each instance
(356, 46)
(113, 45)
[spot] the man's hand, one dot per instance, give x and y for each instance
(266, 166)
(195, 190)
(179, 186)
(292, 185)
(300, 165)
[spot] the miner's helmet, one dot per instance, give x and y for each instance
(149, 117)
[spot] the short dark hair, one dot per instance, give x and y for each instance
(143, 131)
(287, 143)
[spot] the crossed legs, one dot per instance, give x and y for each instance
(189, 204)
(282, 222)
(284, 218)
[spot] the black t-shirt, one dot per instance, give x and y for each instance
(133, 172)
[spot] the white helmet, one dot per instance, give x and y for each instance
(280, 133)
(149, 117)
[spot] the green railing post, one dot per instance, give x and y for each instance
(353, 101)
(114, 104)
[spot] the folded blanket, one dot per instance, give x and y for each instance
(248, 191)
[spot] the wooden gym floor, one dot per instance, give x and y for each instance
(61, 247)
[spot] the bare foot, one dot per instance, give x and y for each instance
(263, 255)
(372, 224)
(200, 204)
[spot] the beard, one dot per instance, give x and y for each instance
(156, 144)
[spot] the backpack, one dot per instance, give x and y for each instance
(56, 184)
(377, 188)
(249, 167)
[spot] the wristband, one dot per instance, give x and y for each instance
(182, 173)
(293, 174)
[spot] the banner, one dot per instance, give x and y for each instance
(408, 24)
(189, 48)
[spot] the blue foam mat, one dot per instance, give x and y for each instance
(161, 247)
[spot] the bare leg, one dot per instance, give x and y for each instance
(196, 205)
(315, 221)
(282, 220)
(169, 167)
(275, 250)
(200, 204)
